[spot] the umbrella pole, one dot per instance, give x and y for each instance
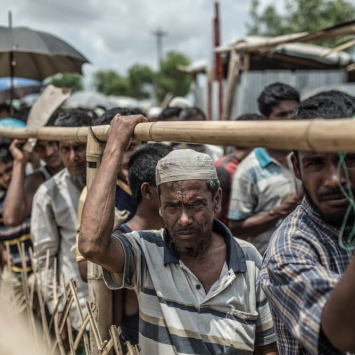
(12, 71)
(12, 75)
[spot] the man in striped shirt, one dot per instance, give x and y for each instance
(197, 286)
(308, 275)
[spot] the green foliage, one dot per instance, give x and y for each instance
(67, 80)
(299, 16)
(170, 79)
(141, 77)
(110, 82)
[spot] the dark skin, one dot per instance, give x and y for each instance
(188, 210)
(123, 171)
(318, 172)
(191, 198)
(18, 202)
(253, 226)
(73, 155)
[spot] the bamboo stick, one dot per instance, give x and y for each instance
(318, 135)
(233, 73)
(99, 294)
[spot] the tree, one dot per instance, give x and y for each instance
(170, 79)
(67, 80)
(299, 16)
(110, 82)
(139, 76)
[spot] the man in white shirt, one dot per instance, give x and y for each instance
(55, 217)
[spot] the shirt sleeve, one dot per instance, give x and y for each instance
(242, 200)
(45, 237)
(298, 287)
(132, 277)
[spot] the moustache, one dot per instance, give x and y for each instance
(186, 229)
(334, 192)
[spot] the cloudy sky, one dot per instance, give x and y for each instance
(114, 34)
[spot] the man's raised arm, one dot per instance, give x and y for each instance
(95, 241)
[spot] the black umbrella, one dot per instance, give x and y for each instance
(36, 55)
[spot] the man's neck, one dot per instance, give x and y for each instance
(144, 220)
(279, 155)
(55, 170)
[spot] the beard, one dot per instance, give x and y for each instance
(199, 248)
(79, 180)
(334, 219)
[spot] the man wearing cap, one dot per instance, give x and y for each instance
(197, 286)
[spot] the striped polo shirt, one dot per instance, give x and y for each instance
(260, 184)
(176, 315)
(12, 235)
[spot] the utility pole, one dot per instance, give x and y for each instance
(159, 34)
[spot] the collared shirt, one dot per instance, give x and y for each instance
(176, 314)
(12, 235)
(260, 184)
(303, 265)
(53, 227)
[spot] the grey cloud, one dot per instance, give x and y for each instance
(117, 33)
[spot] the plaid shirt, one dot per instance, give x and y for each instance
(303, 265)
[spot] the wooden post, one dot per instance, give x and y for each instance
(233, 71)
(99, 294)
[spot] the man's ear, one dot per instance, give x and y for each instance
(217, 201)
(145, 191)
(296, 165)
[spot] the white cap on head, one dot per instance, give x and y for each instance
(154, 112)
(180, 102)
(185, 164)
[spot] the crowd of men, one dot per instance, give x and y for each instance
(207, 251)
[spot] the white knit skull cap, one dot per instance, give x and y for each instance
(185, 164)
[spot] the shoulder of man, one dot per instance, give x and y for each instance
(248, 163)
(250, 252)
(295, 235)
(50, 185)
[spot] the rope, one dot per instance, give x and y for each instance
(349, 244)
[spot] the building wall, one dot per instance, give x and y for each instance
(251, 84)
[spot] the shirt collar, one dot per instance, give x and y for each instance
(263, 157)
(235, 256)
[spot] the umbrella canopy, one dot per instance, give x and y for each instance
(36, 54)
(22, 87)
(88, 100)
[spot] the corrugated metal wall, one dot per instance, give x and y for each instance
(252, 83)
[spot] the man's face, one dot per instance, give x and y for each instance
(188, 210)
(49, 152)
(283, 110)
(5, 174)
(73, 155)
(123, 172)
(318, 172)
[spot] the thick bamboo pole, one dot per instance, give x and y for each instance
(233, 73)
(99, 294)
(318, 135)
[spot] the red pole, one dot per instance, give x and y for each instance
(218, 60)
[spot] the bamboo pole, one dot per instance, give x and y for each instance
(233, 73)
(317, 135)
(99, 294)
